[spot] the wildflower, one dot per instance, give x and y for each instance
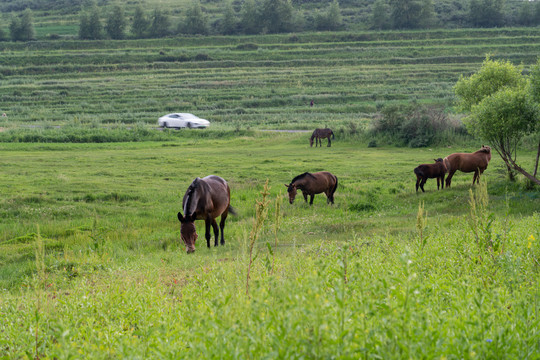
(531, 239)
(489, 340)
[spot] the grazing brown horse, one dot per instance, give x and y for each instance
(477, 161)
(205, 199)
(319, 134)
(430, 171)
(311, 184)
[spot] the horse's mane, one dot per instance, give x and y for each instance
(301, 176)
(484, 149)
(191, 189)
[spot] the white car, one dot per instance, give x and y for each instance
(182, 120)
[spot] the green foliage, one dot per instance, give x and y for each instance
(504, 117)
(486, 13)
(413, 125)
(195, 21)
(116, 23)
(492, 77)
(411, 14)
(90, 26)
(229, 24)
(331, 20)
(379, 18)
(159, 24)
(276, 16)
(503, 109)
(22, 29)
(249, 18)
(140, 23)
(535, 81)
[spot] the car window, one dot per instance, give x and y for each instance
(174, 116)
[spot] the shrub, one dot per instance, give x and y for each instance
(414, 125)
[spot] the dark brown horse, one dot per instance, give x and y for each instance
(319, 134)
(430, 171)
(205, 199)
(311, 184)
(477, 161)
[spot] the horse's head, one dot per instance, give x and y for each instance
(310, 144)
(291, 189)
(187, 232)
(486, 149)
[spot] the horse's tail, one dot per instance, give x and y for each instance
(331, 132)
(446, 163)
(335, 186)
(232, 210)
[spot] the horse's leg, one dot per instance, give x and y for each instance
(207, 223)
(449, 178)
(476, 177)
(222, 225)
(311, 199)
(305, 196)
(417, 182)
(329, 142)
(216, 232)
(422, 184)
(320, 141)
(438, 180)
(442, 181)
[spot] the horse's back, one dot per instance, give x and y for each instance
(467, 162)
(325, 179)
(219, 193)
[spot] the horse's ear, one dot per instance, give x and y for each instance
(286, 185)
(180, 217)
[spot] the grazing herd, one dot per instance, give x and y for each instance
(476, 162)
(210, 197)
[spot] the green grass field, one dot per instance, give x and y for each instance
(93, 266)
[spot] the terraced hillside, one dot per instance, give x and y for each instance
(247, 81)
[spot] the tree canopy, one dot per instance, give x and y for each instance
(503, 107)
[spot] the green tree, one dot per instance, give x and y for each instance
(503, 109)
(116, 23)
(22, 29)
(160, 24)
(249, 21)
(411, 14)
(195, 21)
(140, 23)
(229, 23)
(379, 15)
(3, 35)
(95, 25)
(331, 20)
(84, 26)
(90, 26)
(404, 14)
(427, 14)
(486, 13)
(277, 16)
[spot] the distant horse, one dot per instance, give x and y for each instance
(430, 171)
(205, 199)
(477, 161)
(319, 134)
(311, 184)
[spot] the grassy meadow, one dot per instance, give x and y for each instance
(91, 261)
(93, 266)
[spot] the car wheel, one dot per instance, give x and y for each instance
(165, 125)
(189, 125)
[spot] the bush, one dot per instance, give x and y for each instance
(415, 125)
